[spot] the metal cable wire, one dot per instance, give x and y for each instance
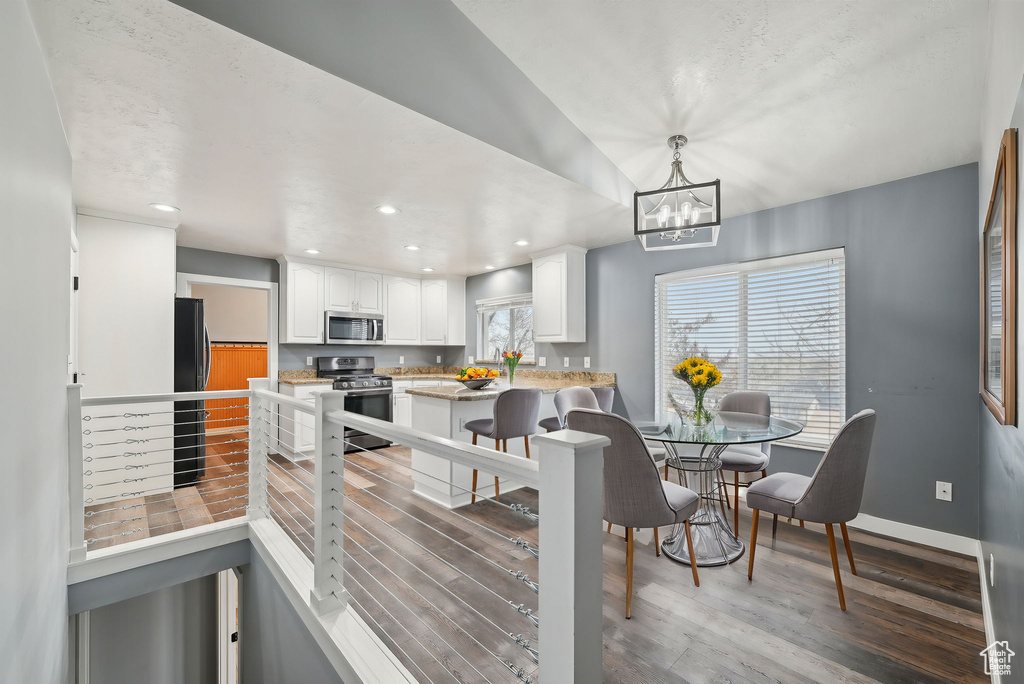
(150, 515)
(128, 507)
(144, 492)
(518, 542)
(162, 413)
(278, 425)
(428, 576)
(129, 480)
(280, 520)
(131, 428)
(440, 612)
(522, 510)
(130, 454)
(159, 463)
(293, 503)
(367, 614)
(90, 445)
(289, 474)
(139, 529)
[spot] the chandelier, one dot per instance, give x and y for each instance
(679, 214)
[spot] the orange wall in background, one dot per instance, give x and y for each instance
(231, 368)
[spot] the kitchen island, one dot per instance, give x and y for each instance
(443, 411)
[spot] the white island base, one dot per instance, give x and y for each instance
(445, 418)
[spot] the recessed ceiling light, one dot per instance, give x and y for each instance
(428, 269)
(489, 268)
(520, 243)
(163, 207)
(387, 209)
(312, 251)
(412, 248)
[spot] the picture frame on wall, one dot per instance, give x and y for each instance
(999, 287)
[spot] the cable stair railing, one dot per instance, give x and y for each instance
(499, 590)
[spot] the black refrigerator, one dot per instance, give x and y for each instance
(192, 356)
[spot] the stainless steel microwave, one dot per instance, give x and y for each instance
(352, 327)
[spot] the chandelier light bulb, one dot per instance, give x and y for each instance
(663, 216)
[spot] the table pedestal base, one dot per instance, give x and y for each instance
(713, 543)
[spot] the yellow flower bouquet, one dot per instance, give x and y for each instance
(701, 375)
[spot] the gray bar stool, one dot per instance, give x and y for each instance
(572, 398)
(515, 415)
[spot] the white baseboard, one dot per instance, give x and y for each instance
(986, 606)
(918, 535)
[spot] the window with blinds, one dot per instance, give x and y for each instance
(775, 325)
(505, 323)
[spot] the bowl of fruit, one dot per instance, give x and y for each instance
(477, 378)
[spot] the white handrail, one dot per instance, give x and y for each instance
(285, 400)
(167, 396)
(517, 468)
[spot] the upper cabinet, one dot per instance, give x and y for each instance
(417, 311)
(443, 311)
(559, 295)
(401, 310)
(302, 293)
(348, 290)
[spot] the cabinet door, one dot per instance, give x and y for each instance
(304, 320)
(434, 301)
(368, 292)
(402, 405)
(401, 310)
(340, 293)
(549, 297)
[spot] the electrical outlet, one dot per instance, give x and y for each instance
(471, 360)
(542, 361)
(439, 358)
(944, 491)
(401, 360)
(992, 569)
(586, 362)
(309, 360)
(565, 362)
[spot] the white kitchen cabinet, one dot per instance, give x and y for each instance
(401, 310)
(401, 409)
(348, 290)
(302, 296)
(297, 429)
(443, 310)
(559, 295)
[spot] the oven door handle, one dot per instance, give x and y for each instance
(367, 392)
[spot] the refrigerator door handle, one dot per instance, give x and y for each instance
(208, 352)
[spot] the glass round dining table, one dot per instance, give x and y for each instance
(714, 541)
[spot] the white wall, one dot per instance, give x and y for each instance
(35, 236)
(126, 307)
(234, 314)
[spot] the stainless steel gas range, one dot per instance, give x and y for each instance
(369, 394)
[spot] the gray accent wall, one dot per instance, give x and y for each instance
(912, 335)
(35, 234)
(276, 646)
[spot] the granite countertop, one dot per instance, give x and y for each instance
(547, 385)
(306, 376)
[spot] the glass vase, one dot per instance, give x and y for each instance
(511, 375)
(694, 410)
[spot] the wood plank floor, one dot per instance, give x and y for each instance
(914, 613)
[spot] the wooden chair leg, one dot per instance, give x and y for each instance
(736, 504)
(503, 447)
(764, 473)
(473, 497)
(693, 556)
(849, 551)
(609, 528)
(835, 564)
(629, 569)
(666, 472)
(526, 441)
(657, 546)
(753, 544)
(801, 523)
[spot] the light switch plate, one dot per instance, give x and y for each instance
(401, 360)
(944, 491)
(542, 361)
(309, 360)
(565, 362)
(471, 360)
(439, 358)
(586, 362)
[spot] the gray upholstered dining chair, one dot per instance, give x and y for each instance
(515, 415)
(634, 493)
(745, 458)
(832, 495)
(605, 397)
(566, 400)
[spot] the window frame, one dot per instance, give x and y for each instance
(494, 304)
(804, 440)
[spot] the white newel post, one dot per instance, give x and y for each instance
(76, 475)
(571, 475)
(328, 593)
(258, 441)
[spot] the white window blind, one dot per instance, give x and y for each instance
(775, 325)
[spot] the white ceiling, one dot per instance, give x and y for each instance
(783, 100)
(266, 154)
